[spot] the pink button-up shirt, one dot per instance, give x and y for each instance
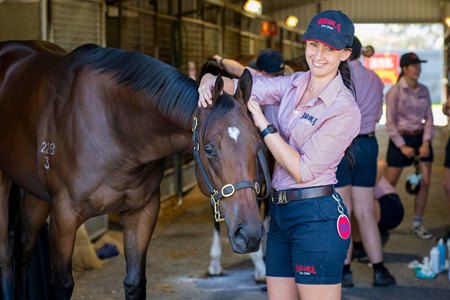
(408, 110)
(369, 95)
(319, 130)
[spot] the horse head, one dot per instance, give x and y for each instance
(226, 152)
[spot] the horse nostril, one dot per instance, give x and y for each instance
(245, 240)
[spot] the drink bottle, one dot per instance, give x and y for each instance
(441, 248)
(434, 260)
(448, 253)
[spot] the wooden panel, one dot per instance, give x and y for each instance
(74, 23)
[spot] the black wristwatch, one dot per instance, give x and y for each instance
(269, 130)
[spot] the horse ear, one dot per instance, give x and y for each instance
(244, 89)
(218, 88)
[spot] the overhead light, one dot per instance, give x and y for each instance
(447, 21)
(291, 21)
(253, 6)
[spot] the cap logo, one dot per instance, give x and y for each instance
(329, 24)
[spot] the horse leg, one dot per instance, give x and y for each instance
(6, 271)
(258, 256)
(138, 226)
(64, 223)
(215, 267)
(260, 266)
(34, 212)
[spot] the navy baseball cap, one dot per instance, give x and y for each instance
(331, 27)
(356, 47)
(269, 60)
(410, 59)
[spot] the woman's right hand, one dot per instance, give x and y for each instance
(407, 151)
(205, 90)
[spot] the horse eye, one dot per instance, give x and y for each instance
(209, 150)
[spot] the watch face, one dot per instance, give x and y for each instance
(272, 128)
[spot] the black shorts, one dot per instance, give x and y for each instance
(303, 241)
(447, 154)
(363, 173)
(395, 158)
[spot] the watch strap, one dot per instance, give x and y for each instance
(268, 130)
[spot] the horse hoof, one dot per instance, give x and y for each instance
(215, 271)
(260, 278)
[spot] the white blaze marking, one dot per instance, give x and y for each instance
(233, 132)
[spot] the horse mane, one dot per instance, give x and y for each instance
(176, 94)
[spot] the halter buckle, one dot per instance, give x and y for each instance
(257, 188)
(225, 193)
(194, 124)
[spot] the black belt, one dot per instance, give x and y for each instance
(366, 136)
(284, 196)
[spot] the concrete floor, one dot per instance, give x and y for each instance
(178, 256)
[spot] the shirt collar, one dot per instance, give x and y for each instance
(329, 94)
(402, 83)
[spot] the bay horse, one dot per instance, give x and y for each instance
(215, 253)
(86, 133)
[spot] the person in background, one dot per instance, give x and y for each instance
(309, 231)
(409, 123)
(269, 63)
(356, 180)
(446, 178)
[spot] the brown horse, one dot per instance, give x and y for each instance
(88, 132)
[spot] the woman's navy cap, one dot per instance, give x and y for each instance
(331, 27)
(410, 59)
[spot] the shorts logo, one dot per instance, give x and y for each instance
(309, 118)
(305, 270)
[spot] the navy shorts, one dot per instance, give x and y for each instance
(447, 154)
(364, 170)
(303, 241)
(395, 158)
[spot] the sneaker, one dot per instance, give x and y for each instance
(383, 278)
(347, 279)
(422, 232)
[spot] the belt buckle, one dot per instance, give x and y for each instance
(281, 198)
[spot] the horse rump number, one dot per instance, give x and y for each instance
(49, 149)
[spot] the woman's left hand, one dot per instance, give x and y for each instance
(258, 116)
(424, 150)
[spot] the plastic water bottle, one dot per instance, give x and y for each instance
(441, 248)
(434, 260)
(448, 253)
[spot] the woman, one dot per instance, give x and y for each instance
(356, 183)
(446, 178)
(409, 123)
(318, 118)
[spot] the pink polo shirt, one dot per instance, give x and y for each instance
(369, 95)
(408, 110)
(319, 130)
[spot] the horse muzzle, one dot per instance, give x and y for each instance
(245, 238)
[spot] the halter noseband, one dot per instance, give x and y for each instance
(228, 189)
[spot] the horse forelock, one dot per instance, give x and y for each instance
(169, 91)
(225, 107)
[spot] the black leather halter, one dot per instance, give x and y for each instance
(228, 189)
